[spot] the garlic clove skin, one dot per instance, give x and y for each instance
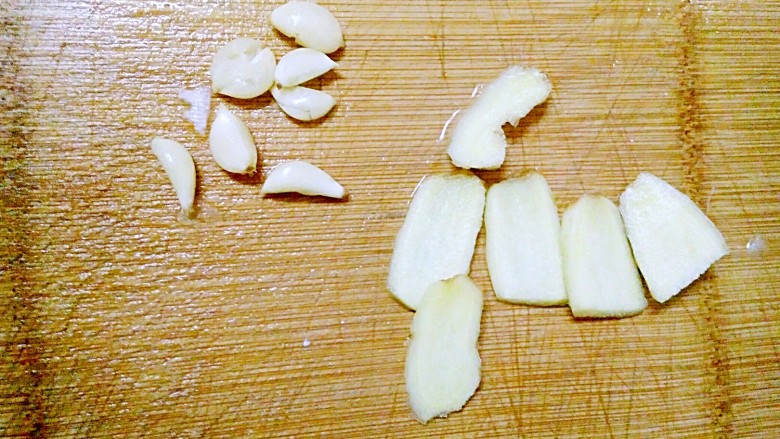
(178, 164)
(301, 65)
(301, 177)
(199, 100)
(310, 24)
(231, 143)
(243, 68)
(303, 103)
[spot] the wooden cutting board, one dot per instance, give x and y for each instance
(270, 317)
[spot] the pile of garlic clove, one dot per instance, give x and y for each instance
(246, 68)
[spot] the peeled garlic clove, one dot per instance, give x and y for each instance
(178, 164)
(436, 240)
(231, 143)
(478, 140)
(310, 24)
(243, 68)
(301, 65)
(673, 240)
(601, 277)
(303, 178)
(303, 103)
(443, 368)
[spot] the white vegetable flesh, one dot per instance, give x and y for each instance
(601, 277)
(436, 240)
(672, 239)
(523, 245)
(478, 140)
(443, 368)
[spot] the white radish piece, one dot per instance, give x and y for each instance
(478, 140)
(523, 244)
(243, 68)
(436, 240)
(178, 164)
(601, 277)
(303, 178)
(231, 143)
(303, 103)
(301, 65)
(310, 24)
(443, 368)
(673, 240)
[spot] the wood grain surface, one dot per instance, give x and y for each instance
(118, 320)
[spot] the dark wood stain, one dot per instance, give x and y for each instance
(22, 389)
(693, 150)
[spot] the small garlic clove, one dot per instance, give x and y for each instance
(310, 24)
(303, 103)
(180, 168)
(303, 178)
(231, 143)
(243, 68)
(301, 65)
